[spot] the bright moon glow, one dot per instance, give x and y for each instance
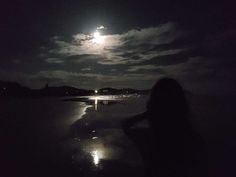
(98, 38)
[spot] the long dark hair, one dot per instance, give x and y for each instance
(168, 99)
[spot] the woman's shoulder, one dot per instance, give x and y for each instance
(136, 121)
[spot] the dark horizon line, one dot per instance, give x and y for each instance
(60, 86)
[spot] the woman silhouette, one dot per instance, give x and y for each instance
(169, 147)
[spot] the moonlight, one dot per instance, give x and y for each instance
(98, 38)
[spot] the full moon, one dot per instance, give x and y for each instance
(98, 38)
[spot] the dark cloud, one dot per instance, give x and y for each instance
(54, 60)
(169, 59)
(82, 58)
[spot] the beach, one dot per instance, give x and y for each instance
(76, 136)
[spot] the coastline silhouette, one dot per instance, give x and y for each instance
(169, 146)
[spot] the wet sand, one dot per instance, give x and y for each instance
(53, 137)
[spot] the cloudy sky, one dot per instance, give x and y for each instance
(94, 44)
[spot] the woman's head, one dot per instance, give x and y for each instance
(167, 97)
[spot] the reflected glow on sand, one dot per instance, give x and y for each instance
(96, 104)
(106, 97)
(80, 112)
(97, 155)
(97, 98)
(98, 151)
(83, 110)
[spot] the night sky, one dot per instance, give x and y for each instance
(94, 44)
